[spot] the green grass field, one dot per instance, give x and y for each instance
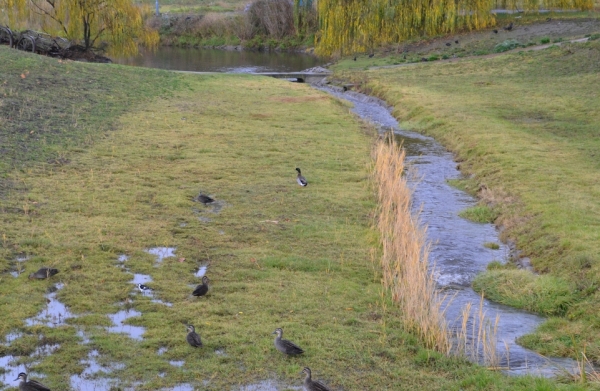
(103, 160)
(524, 128)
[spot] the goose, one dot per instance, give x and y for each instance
(201, 289)
(30, 385)
(300, 179)
(285, 346)
(313, 385)
(43, 273)
(193, 338)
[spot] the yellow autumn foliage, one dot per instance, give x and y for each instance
(119, 24)
(354, 26)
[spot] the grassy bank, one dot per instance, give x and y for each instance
(524, 130)
(278, 255)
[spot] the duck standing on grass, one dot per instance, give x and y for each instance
(30, 385)
(193, 338)
(300, 179)
(313, 385)
(43, 273)
(285, 346)
(201, 289)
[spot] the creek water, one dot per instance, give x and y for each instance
(213, 60)
(458, 251)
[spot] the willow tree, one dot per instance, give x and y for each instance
(89, 23)
(350, 26)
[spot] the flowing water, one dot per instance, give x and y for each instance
(458, 251)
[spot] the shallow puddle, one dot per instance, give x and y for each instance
(201, 271)
(177, 363)
(180, 387)
(118, 319)
(55, 314)
(268, 385)
(12, 369)
(162, 252)
(88, 379)
(144, 279)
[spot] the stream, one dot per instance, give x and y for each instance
(458, 251)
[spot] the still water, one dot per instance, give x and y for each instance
(213, 60)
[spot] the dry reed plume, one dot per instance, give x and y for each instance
(406, 251)
(406, 270)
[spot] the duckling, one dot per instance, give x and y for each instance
(300, 179)
(30, 385)
(313, 385)
(285, 346)
(43, 273)
(201, 289)
(193, 338)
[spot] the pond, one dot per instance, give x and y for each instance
(214, 60)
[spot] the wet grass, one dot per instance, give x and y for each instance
(530, 146)
(279, 255)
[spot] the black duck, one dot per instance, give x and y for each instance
(193, 338)
(201, 289)
(300, 179)
(285, 346)
(30, 385)
(204, 199)
(43, 273)
(313, 385)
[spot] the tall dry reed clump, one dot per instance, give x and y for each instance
(406, 250)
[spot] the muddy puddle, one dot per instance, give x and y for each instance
(458, 250)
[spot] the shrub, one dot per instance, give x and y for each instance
(507, 45)
(274, 18)
(545, 40)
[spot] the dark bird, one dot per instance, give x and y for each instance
(509, 27)
(30, 385)
(143, 288)
(354, 58)
(201, 289)
(456, 42)
(300, 179)
(204, 199)
(313, 385)
(448, 44)
(424, 59)
(193, 338)
(44, 272)
(548, 19)
(371, 55)
(495, 31)
(285, 346)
